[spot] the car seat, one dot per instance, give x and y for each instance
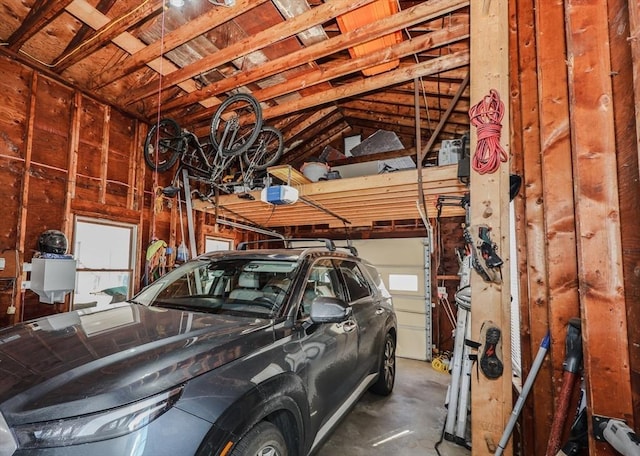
(248, 284)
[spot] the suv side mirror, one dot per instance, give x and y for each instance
(325, 309)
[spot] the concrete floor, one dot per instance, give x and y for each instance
(414, 413)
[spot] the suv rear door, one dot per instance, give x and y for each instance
(369, 314)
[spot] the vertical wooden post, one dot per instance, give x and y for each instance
(74, 141)
(601, 281)
(104, 155)
(24, 200)
(491, 399)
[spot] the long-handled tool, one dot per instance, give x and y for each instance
(571, 367)
(535, 367)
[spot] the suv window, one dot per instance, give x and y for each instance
(357, 284)
(322, 280)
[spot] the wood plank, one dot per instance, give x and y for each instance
(491, 400)
(288, 174)
(601, 281)
(627, 150)
(555, 147)
(531, 240)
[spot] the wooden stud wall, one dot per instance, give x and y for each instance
(64, 154)
(576, 124)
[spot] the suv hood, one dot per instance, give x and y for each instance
(81, 362)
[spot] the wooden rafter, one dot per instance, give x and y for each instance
(41, 14)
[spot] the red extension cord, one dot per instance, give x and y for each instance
(487, 117)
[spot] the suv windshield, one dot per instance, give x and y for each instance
(238, 285)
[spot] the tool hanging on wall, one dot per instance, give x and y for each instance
(572, 365)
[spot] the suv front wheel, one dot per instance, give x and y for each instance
(264, 439)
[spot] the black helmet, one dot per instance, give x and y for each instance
(53, 241)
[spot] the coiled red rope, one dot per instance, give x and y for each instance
(486, 116)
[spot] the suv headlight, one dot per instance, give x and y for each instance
(96, 426)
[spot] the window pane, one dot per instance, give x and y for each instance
(97, 288)
(99, 246)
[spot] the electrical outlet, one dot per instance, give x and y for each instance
(3, 263)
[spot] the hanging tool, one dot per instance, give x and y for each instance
(571, 366)
(535, 367)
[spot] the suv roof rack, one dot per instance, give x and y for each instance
(328, 244)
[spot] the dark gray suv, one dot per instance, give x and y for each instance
(249, 352)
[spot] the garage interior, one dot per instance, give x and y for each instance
(381, 92)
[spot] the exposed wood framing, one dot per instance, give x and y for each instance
(106, 33)
(24, 197)
(418, 13)
(104, 154)
(41, 14)
(243, 47)
(394, 193)
(74, 141)
(601, 283)
(491, 400)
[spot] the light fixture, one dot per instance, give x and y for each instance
(176, 3)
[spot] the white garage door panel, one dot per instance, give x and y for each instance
(412, 343)
(404, 257)
(410, 304)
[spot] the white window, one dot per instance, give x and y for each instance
(403, 282)
(214, 244)
(105, 262)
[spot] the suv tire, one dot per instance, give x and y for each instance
(263, 439)
(387, 373)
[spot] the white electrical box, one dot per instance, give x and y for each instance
(52, 278)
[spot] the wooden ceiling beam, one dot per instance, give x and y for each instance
(316, 16)
(40, 15)
(317, 51)
(109, 31)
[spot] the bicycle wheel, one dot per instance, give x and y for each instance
(163, 145)
(267, 149)
(236, 124)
